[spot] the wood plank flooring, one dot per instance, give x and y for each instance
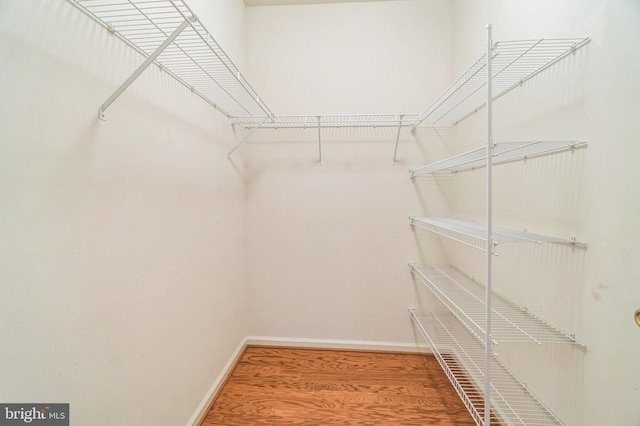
(315, 387)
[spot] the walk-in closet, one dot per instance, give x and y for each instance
(438, 197)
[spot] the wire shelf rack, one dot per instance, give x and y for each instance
(513, 62)
(503, 152)
(194, 58)
(197, 61)
(464, 297)
(462, 358)
(326, 121)
(475, 235)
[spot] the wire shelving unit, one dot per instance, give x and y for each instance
(463, 341)
(503, 152)
(327, 121)
(167, 33)
(320, 122)
(462, 357)
(475, 235)
(512, 63)
(464, 297)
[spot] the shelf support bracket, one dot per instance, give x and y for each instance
(244, 139)
(150, 59)
(395, 151)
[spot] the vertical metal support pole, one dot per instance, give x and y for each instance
(395, 151)
(141, 68)
(487, 387)
(319, 142)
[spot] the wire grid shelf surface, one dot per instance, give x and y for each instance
(196, 60)
(503, 152)
(475, 235)
(462, 358)
(513, 62)
(465, 298)
(194, 57)
(327, 121)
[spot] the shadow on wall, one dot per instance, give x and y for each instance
(552, 105)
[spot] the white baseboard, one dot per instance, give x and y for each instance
(297, 342)
(338, 344)
(217, 384)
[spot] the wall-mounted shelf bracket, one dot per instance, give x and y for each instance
(395, 151)
(150, 59)
(246, 137)
(319, 141)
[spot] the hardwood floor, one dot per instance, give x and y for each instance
(293, 386)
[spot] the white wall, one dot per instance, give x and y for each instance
(328, 245)
(371, 57)
(225, 20)
(592, 96)
(121, 252)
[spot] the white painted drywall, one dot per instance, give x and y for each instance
(328, 245)
(224, 19)
(591, 193)
(121, 274)
(372, 57)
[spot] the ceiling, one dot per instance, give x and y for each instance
(291, 2)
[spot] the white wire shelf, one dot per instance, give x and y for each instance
(513, 62)
(196, 60)
(326, 121)
(465, 298)
(503, 152)
(193, 57)
(462, 358)
(474, 235)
